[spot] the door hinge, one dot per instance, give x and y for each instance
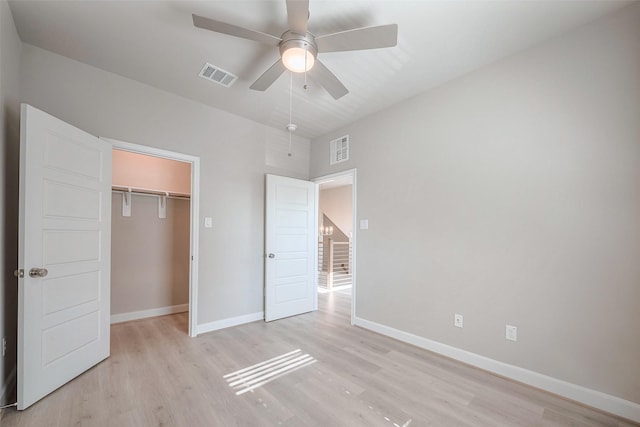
(19, 273)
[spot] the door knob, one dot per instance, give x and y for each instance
(272, 255)
(38, 272)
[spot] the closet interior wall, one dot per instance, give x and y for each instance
(149, 254)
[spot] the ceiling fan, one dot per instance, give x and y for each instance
(299, 48)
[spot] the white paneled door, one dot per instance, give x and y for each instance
(290, 244)
(64, 252)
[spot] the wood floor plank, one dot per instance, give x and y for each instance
(158, 376)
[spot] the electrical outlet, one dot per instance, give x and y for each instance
(511, 333)
(4, 346)
(457, 320)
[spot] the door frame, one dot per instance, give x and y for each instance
(354, 208)
(195, 216)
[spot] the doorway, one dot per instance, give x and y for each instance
(174, 203)
(336, 209)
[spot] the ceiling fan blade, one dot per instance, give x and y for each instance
(234, 30)
(269, 76)
(359, 39)
(298, 15)
(325, 78)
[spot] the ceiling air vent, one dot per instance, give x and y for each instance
(217, 75)
(339, 150)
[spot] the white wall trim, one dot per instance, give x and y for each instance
(195, 216)
(593, 398)
(153, 312)
(231, 321)
(8, 387)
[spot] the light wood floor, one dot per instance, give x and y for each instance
(158, 376)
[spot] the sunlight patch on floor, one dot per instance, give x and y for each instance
(257, 375)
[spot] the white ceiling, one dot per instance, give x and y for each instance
(155, 42)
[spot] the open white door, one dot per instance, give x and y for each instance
(290, 245)
(64, 252)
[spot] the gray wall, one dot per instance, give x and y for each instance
(234, 155)
(10, 46)
(149, 255)
(512, 195)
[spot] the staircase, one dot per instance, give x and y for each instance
(341, 265)
(335, 264)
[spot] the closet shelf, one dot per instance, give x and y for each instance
(150, 191)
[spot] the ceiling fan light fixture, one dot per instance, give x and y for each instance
(294, 59)
(298, 52)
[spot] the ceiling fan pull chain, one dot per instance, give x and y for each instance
(290, 96)
(306, 48)
(290, 125)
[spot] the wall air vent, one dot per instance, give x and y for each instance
(217, 75)
(339, 150)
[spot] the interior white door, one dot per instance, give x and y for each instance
(290, 244)
(64, 242)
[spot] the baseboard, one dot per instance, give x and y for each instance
(8, 387)
(134, 315)
(227, 323)
(605, 402)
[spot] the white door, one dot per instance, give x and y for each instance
(290, 245)
(64, 230)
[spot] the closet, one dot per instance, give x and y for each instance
(150, 226)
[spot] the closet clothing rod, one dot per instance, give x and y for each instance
(149, 192)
